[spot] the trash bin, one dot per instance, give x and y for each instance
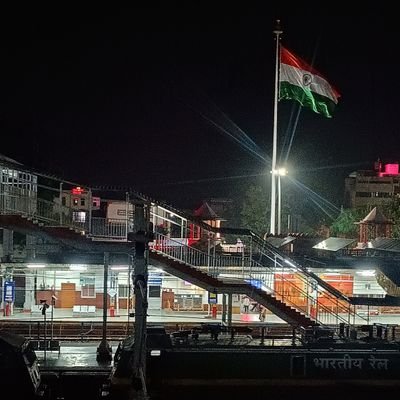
(214, 311)
(7, 309)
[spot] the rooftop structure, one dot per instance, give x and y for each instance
(373, 187)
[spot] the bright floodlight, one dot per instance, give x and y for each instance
(36, 265)
(77, 267)
(120, 267)
(282, 171)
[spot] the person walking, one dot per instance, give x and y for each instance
(263, 313)
(246, 304)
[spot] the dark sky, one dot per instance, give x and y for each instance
(120, 96)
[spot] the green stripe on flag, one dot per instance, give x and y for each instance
(307, 98)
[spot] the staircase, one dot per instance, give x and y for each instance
(212, 284)
(322, 303)
(317, 301)
(387, 284)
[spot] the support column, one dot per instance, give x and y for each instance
(1, 291)
(141, 303)
(30, 246)
(104, 351)
(8, 245)
(29, 292)
(230, 310)
(29, 278)
(223, 308)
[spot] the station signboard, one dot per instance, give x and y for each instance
(9, 291)
(212, 298)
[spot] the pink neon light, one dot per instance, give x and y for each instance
(390, 169)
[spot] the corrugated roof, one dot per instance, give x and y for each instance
(386, 244)
(280, 242)
(334, 244)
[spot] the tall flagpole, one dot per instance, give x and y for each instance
(277, 33)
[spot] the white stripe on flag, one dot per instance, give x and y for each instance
(307, 81)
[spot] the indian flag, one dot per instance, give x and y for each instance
(299, 81)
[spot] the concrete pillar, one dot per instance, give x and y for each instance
(30, 246)
(29, 277)
(141, 303)
(223, 308)
(104, 350)
(230, 310)
(29, 291)
(8, 244)
(1, 292)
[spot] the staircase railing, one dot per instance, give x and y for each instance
(339, 305)
(267, 249)
(268, 255)
(14, 202)
(262, 255)
(252, 272)
(314, 305)
(104, 228)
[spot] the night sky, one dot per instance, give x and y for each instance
(131, 97)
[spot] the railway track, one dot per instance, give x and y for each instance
(92, 331)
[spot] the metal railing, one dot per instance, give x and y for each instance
(247, 269)
(53, 214)
(109, 229)
(328, 296)
(260, 261)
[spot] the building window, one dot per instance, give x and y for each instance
(363, 194)
(79, 216)
(82, 202)
(63, 201)
(123, 291)
(154, 291)
(88, 286)
(368, 286)
(75, 202)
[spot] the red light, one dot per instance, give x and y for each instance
(77, 190)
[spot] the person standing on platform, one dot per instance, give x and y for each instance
(246, 305)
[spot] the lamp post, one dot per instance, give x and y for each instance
(277, 32)
(280, 172)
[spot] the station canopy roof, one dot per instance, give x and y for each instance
(280, 242)
(334, 244)
(387, 244)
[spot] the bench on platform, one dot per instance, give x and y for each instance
(47, 344)
(37, 309)
(83, 311)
